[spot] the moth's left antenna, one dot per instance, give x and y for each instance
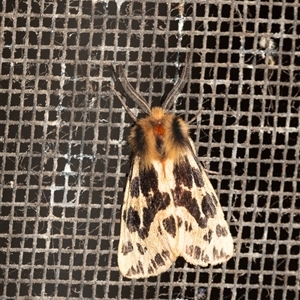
(119, 76)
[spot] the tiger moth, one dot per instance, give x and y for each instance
(170, 208)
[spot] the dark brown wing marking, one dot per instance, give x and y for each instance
(179, 221)
(127, 248)
(197, 178)
(170, 226)
(147, 182)
(207, 237)
(221, 231)
(208, 207)
(184, 175)
(194, 251)
(135, 187)
(137, 269)
(137, 141)
(184, 198)
(217, 254)
(141, 249)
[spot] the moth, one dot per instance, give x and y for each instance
(170, 208)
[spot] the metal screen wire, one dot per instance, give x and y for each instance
(65, 159)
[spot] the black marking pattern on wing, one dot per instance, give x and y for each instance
(221, 231)
(188, 226)
(219, 254)
(141, 249)
(170, 225)
(137, 269)
(155, 201)
(135, 187)
(197, 177)
(208, 236)
(158, 261)
(184, 198)
(179, 221)
(193, 251)
(184, 176)
(132, 219)
(197, 253)
(148, 181)
(208, 207)
(127, 248)
(183, 173)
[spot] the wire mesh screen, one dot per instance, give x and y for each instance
(65, 160)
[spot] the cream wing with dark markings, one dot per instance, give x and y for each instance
(204, 236)
(148, 239)
(171, 210)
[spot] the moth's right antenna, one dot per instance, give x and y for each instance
(179, 85)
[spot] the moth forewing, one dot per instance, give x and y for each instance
(205, 235)
(170, 208)
(145, 247)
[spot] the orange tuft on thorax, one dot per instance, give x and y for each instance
(159, 129)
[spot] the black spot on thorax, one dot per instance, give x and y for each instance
(137, 140)
(160, 146)
(178, 135)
